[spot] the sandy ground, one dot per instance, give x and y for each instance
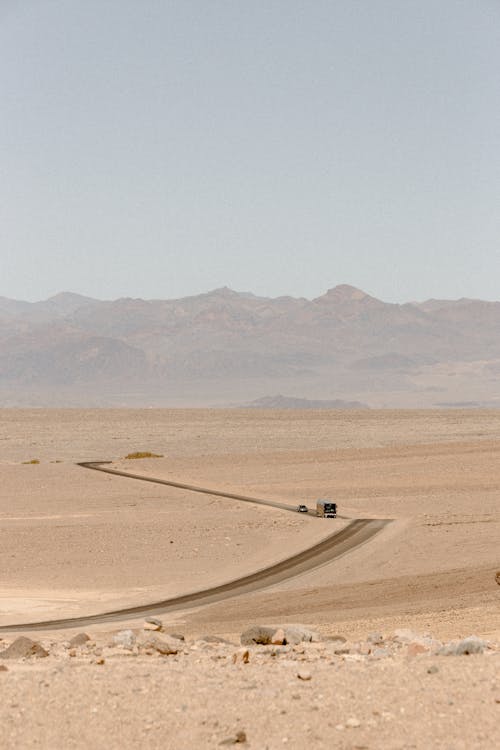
(74, 541)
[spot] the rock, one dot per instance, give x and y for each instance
(264, 634)
(257, 634)
(239, 739)
(345, 648)
(415, 649)
(215, 639)
(124, 639)
(336, 638)
(163, 646)
(154, 621)
(353, 723)
(151, 626)
(375, 638)
(3, 668)
(470, 645)
(404, 635)
(242, 656)
(497, 577)
(177, 636)
(365, 649)
(432, 669)
(80, 639)
(300, 633)
(304, 675)
(380, 653)
(278, 638)
(22, 648)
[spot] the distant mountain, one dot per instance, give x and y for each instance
(225, 347)
(287, 402)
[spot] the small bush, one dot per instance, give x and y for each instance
(144, 454)
(33, 461)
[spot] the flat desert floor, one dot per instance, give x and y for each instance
(77, 542)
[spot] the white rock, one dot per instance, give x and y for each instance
(125, 639)
(470, 645)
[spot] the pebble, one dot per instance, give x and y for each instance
(151, 626)
(241, 657)
(304, 675)
(239, 739)
(353, 723)
(375, 638)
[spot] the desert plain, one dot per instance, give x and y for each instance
(76, 542)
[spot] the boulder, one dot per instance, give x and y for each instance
(257, 634)
(163, 646)
(265, 635)
(22, 648)
(80, 639)
(470, 645)
(300, 633)
(124, 639)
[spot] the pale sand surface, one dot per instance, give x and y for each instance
(75, 542)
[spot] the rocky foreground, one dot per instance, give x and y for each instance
(281, 686)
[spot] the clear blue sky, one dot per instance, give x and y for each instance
(156, 148)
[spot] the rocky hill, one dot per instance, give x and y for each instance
(225, 347)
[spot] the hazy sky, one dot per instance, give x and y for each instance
(156, 148)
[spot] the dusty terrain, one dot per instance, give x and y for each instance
(75, 541)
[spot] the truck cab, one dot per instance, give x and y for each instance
(326, 509)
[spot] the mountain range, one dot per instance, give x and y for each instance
(226, 348)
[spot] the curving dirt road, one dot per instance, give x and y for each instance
(357, 532)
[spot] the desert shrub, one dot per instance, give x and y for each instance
(144, 454)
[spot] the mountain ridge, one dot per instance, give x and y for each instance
(224, 346)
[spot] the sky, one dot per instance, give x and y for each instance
(158, 149)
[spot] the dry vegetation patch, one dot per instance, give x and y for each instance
(144, 454)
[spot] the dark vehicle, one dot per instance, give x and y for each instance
(302, 509)
(326, 509)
